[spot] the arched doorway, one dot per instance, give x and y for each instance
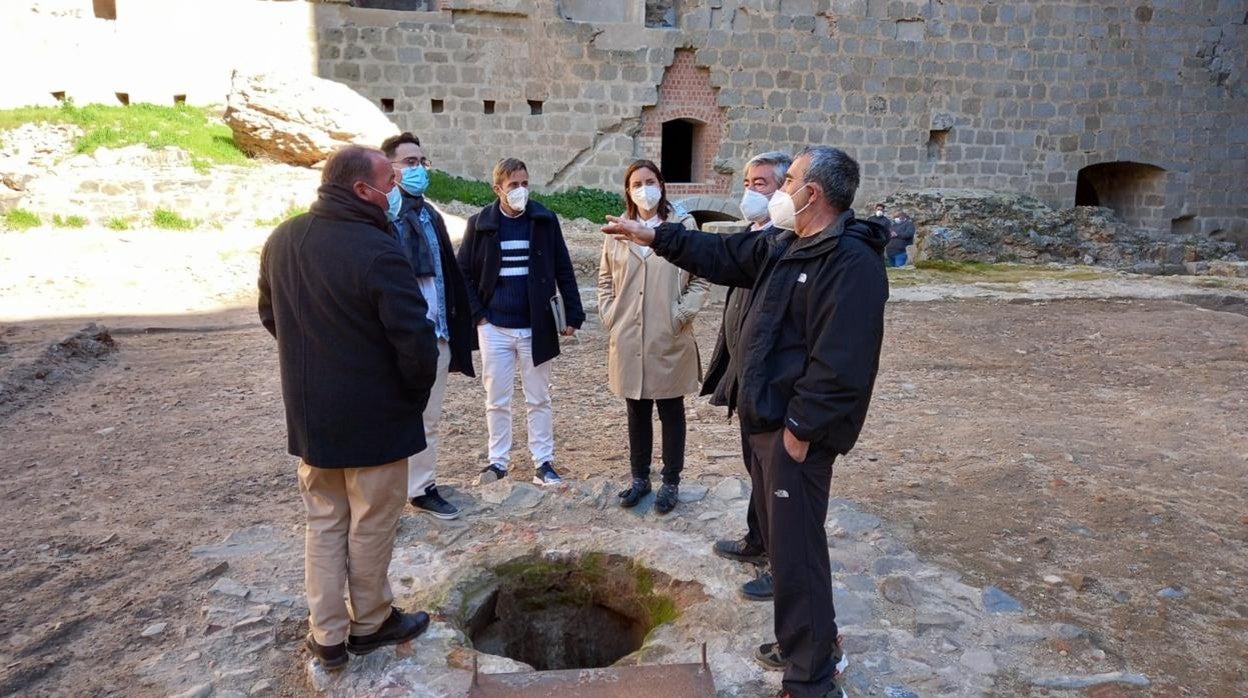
(1134, 190)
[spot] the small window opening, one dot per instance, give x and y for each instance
(436, 106)
(387, 105)
(104, 9)
(535, 107)
(487, 106)
(679, 137)
(936, 144)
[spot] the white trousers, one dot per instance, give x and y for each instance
(420, 467)
(501, 349)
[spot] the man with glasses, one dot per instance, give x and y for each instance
(422, 235)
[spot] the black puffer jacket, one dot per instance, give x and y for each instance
(357, 354)
(810, 341)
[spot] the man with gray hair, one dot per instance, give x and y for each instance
(802, 380)
(763, 176)
(357, 356)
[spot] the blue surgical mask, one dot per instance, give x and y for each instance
(394, 200)
(415, 180)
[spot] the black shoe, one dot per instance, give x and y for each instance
(400, 627)
(740, 550)
(770, 657)
(667, 497)
(760, 588)
(632, 495)
(491, 473)
(432, 503)
(330, 657)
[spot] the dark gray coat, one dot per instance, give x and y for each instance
(357, 355)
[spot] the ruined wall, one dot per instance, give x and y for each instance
(960, 93)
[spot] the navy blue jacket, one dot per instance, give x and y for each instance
(810, 340)
(550, 268)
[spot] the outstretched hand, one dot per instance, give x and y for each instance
(628, 230)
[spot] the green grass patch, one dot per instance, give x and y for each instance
(21, 219)
(68, 221)
(117, 224)
(941, 271)
(581, 202)
(165, 219)
(194, 129)
(291, 212)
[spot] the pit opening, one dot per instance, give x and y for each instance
(571, 611)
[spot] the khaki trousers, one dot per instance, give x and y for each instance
(352, 518)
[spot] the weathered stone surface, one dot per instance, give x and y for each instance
(1077, 682)
(511, 494)
(990, 226)
(997, 601)
(300, 120)
(731, 489)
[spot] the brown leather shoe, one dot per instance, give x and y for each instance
(330, 657)
(400, 627)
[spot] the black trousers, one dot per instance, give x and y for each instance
(641, 437)
(792, 513)
(753, 530)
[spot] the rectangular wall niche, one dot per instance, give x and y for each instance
(487, 106)
(387, 104)
(661, 14)
(104, 9)
(437, 106)
(936, 144)
(535, 107)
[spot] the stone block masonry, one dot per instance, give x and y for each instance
(1139, 106)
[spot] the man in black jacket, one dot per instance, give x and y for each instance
(802, 380)
(514, 258)
(357, 358)
(901, 236)
(422, 235)
(763, 176)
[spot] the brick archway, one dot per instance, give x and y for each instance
(687, 107)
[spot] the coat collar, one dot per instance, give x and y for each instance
(490, 217)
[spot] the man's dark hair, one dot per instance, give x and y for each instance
(348, 166)
(391, 144)
(835, 172)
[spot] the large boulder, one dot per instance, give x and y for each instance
(991, 226)
(300, 119)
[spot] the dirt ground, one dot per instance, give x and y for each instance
(1101, 441)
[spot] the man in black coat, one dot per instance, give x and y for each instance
(422, 235)
(802, 380)
(357, 357)
(514, 258)
(763, 176)
(900, 237)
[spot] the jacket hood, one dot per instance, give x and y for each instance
(340, 203)
(869, 231)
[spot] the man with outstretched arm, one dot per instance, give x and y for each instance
(801, 381)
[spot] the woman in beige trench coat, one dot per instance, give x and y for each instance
(647, 306)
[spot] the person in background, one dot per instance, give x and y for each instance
(358, 358)
(763, 176)
(422, 236)
(880, 217)
(900, 236)
(514, 260)
(647, 306)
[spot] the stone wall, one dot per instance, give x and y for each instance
(1008, 96)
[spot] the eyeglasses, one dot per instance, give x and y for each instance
(412, 162)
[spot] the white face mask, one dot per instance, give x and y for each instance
(754, 206)
(646, 197)
(879, 213)
(781, 209)
(518, 198)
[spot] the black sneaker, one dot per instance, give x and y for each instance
(634, 493)
(400, 627)
(770, 657)
(433, 504)
(546, 475)
(330, 657)
(761, 588)
(667, 497)
(491, 473)
(740, 550)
